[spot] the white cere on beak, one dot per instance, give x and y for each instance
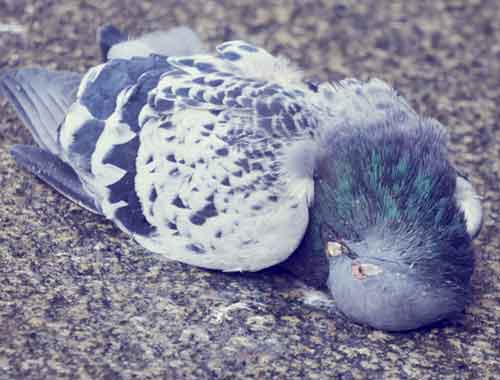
(362, 271)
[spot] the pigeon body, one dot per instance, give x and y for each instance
(220, 161)
(192, 160)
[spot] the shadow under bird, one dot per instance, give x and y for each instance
(233, 161)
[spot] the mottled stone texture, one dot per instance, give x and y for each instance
(78, 299)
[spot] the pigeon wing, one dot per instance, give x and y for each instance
(195, 160)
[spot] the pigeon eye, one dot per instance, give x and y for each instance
(335, 248)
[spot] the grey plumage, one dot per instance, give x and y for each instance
(221, 160)
(108, 36)
(404, 225)
(41, 99)
(52, 170)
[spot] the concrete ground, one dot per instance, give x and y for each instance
(79, 299)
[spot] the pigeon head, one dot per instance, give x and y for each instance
(391, 224)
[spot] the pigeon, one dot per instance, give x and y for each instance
(232, 160)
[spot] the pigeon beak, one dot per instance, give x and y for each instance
(360, 271)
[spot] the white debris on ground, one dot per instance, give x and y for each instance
(12, 28)
(319, 300)
(316, 298)
(223, 312)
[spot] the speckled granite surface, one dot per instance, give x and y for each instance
(78, 299)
